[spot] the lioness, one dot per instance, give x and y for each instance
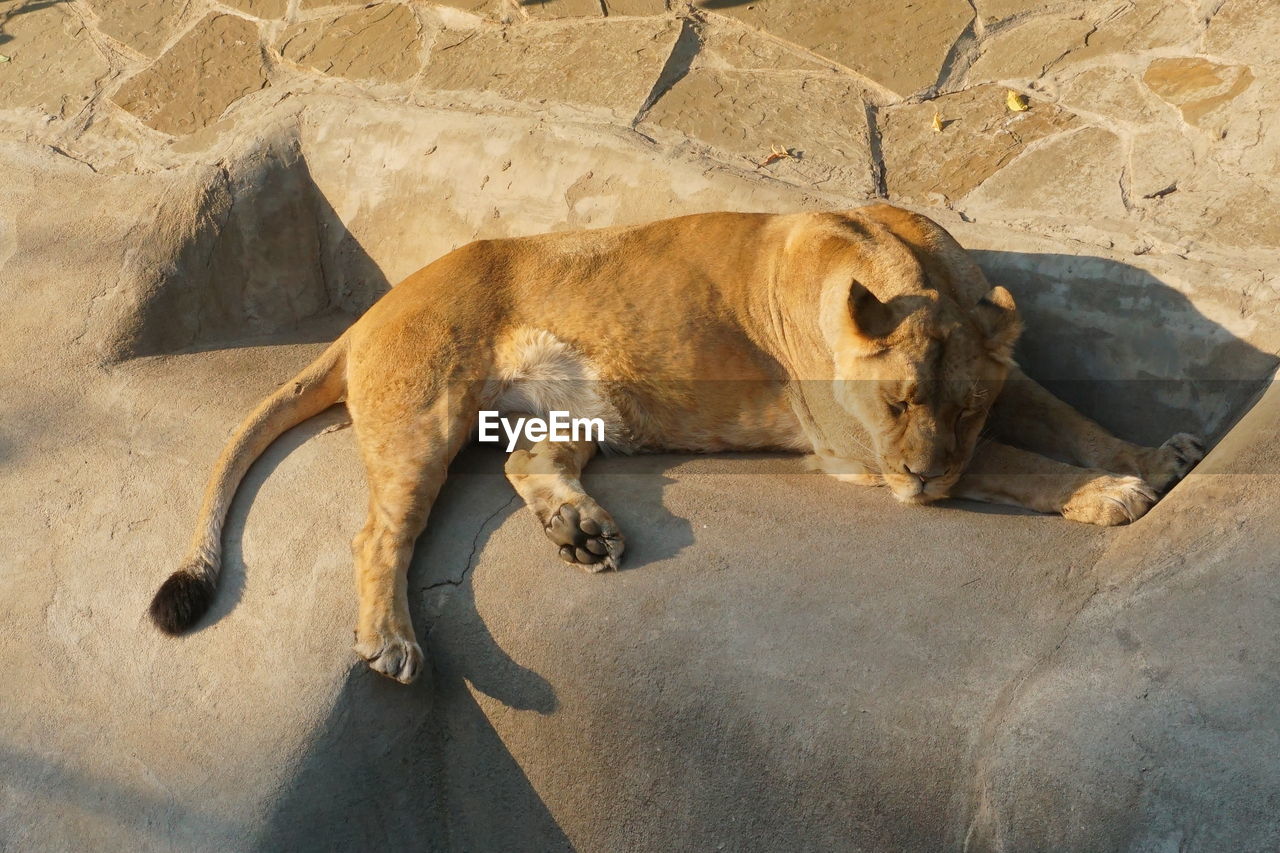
(868, 339)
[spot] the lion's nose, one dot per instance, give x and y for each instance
(931, 473)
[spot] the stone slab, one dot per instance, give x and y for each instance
(749, 50)
(821, 120)
(1197, 87)
(1140, 25)
(636, 7)
(899, 47)
(1029, 50)
(144, 25)
(553, 64)
(53, 64)
(192, 84)
(266, 9)
(980, 135)
(1239, 31)
(1075, 174)
(380, 43)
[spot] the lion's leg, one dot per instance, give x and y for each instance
(1007, 475)
(1027, 415)
(546, 475)
(406, 454)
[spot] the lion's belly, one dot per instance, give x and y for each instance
(536, 373)
(711, 416)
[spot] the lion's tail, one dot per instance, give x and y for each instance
(188, 592)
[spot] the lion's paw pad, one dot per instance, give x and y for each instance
(587, 535)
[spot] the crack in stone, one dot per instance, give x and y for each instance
(475, 546)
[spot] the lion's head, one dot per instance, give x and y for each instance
(920, 370)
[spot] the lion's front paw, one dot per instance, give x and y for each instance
(1109, 500)
(587, 535)
(395, 657)
(1172, 460)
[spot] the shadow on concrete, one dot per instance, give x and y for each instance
(416, 767)
(421, 765)
(267, 256)
(424, 763)
(1127, 349)
(232, 579)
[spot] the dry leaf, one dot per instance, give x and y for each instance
(776, 153)
(3, 58)
(937, 123)
(1016, 102)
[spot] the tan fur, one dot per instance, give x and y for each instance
(867, 338)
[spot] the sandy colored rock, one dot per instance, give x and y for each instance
(561, 8)
(1142, 25)
(1075, 174)
(636, 7)
(524, 10)
(998, 10)
(53, 63)
(495, 8)
(1116, 93)
(821, 120)
(144, 25)
(1238, 31)
(556, 64)
(192, 84)
(1159, 161)
(745, 49)
(1030, 49)
(269, 9)
(1244, 132)
(900, 47)
(379, 43)
(1210, 208)
(1196, 86)
(979, 137)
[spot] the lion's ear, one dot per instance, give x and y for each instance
(872, 319)
(998, 316)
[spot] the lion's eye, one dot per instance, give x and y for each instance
(899, 407)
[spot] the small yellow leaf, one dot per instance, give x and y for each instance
(937, 123)
(1016, 102)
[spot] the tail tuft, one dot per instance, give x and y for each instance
(181, 600)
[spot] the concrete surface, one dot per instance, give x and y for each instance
(196, 196)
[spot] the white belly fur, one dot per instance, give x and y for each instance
(536, 373)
